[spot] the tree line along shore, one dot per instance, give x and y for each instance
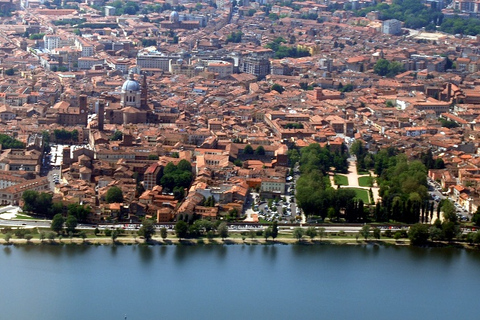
(268, 236)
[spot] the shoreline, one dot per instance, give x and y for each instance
(156, 241)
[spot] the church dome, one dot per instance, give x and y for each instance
(174, 16)
(131, 85)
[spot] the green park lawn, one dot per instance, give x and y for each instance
(340, 180)
(24, 217)
(362, 194)
(366, 181)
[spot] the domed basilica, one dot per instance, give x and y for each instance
(133, 94)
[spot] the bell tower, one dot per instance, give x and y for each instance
(144, 94)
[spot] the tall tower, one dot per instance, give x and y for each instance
(144, 94)
(83, 109)
(101, 114)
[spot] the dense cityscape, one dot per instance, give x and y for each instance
(270, 113)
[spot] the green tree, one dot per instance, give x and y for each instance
(418, 234)
(476, 218)
(235, 37)
(376, 233)
(80, 212)
(51, 236)
(449, 212)
(248, 149)
(57, 223)
(114, 235)
(449, 230)
(83, 235)
(163, 233)
(273, 16)
(7, 237)
(114, 195)
(365, 231)
(278, 88)
(386, 68)
(184, 165)
(311, 232)
(321, 233)
(147, 230)
(117, 136)
(149, 42)
(274, 230)
(10, 72)
(71, 223)
(298, 233)
(28, 237)
(29, 200)
(267, 233)
(8, 142)
(260, 151)
(181, 229)
(223, 230)
(42, 235)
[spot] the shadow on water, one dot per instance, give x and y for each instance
(146, 254)
(180, 254)
(304, 248)
(473, 254)
(270, 251)
(7, 250)
(251, 250)
(222, 251)
(163, 251)
(446, 255)
(72, 249)
(113, 251)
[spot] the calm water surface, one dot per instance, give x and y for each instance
(238, 282)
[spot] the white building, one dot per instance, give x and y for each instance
(392, 26)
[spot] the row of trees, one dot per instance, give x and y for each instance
(294, 125)
(282, 51)
(403, 184)
(235, 37)
(314, 193)
(175, 178)
(420, 234)
(431, 163)
(315, 157)
(259, 151)
(122, 7)
(65, 135)
(117, 136)
(40, 204)
(200, 228)
(8, 142)
(413, 13)
(387, 68)
(58, 223)
(416, 15)
(161, 8)
(460, 25)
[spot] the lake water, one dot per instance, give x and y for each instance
(238, 282)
